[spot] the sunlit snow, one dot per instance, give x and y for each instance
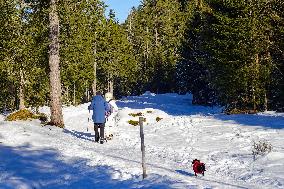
(33, 156)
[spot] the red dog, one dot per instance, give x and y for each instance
(198, 167)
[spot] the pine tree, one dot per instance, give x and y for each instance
(155, 31)
(276, 92)
(239, 53)
(225, 52)
(7, 99)
(118, 64)
(81, 24)
(193, 73)
(15, 53)
(21, 53)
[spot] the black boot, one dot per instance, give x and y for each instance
(102, 140)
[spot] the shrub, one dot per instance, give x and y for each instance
(149, 111)
(20, 115)
(261, 147)
(135, 115)
(134, 123)
(25, 115)
(158, 119)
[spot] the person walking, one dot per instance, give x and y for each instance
(99, 106)
(111, 115)
(112, 105)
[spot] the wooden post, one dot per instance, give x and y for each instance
(141, 119)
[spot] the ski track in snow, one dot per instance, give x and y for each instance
(33, 156)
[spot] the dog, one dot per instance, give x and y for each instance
(198, 167)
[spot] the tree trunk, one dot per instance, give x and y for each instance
(54, 61)
(147, 47)
(146, 56)
(67, 95)
(86, 92)
(253, 98)
(110, 84)
(156, 37)
(94, 87)
(88, 96)
(129, 35)
(22, 91)
(22, 80)
(265, 102)
(95, 80)
(256, 76)
(74, 94)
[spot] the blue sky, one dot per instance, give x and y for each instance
(121, 7)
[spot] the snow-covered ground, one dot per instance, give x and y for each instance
(33, 157)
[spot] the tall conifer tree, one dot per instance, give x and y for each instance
(54, 64)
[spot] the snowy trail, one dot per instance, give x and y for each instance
(168, 157)
(171, 144)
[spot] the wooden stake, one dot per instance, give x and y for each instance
(141, 119)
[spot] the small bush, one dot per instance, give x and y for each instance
(134, 123)
(158, 119)
(25, 115)
(149, 111)
(20, 115)
(135, 115)
(261, 147)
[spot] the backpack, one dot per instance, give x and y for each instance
(110, 107)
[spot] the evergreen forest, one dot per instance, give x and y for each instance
(224, 52)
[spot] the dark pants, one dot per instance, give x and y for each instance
(98, 134)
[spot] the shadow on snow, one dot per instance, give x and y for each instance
(22, 167)
(172, 104)
(81, 135)
(180, 105)
(266, 121)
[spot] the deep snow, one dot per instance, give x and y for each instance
(32, 156)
